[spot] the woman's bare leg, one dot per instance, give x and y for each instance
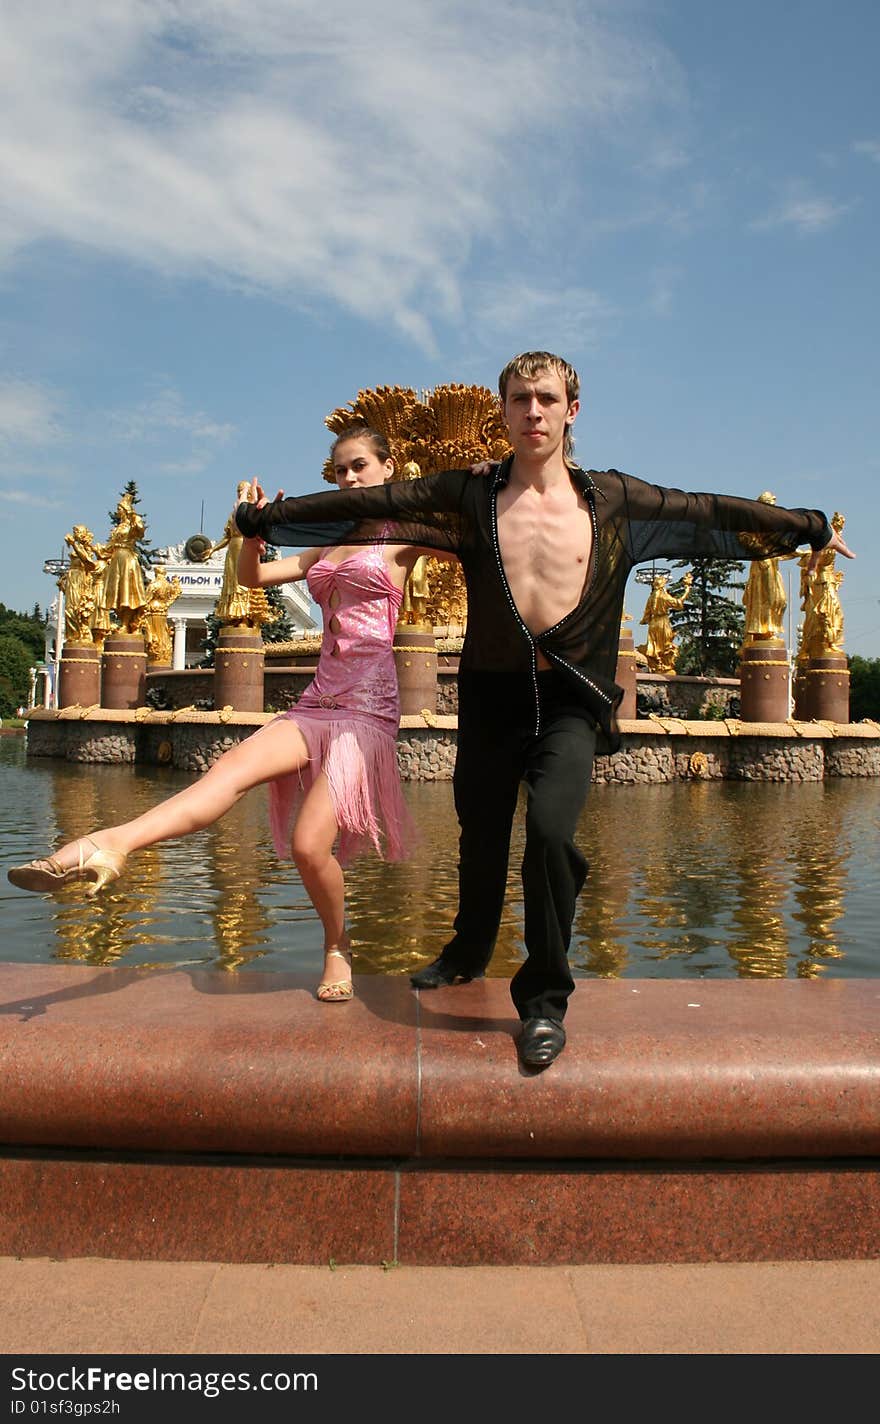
(312, 843)
(274, 751)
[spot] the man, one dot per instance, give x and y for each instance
(546, 549)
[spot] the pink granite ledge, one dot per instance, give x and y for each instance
(207, 1061)
(658, 1069)
(249, 1063)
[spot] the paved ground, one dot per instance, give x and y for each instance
(145, 1308)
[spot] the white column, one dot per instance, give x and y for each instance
(178, 659)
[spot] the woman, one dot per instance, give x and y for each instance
(331, 760)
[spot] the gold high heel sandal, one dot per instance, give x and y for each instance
(99, 868)
(338, 991)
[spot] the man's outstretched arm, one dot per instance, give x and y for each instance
(421, 511)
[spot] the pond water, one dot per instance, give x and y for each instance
(720, 879)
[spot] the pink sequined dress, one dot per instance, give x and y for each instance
(350, 713)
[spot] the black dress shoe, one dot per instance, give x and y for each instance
(540, 1042)
(439, 973)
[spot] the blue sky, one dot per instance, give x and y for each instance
(219, 220)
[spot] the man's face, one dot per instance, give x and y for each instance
(538, 413)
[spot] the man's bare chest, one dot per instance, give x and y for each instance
(553, 538)
(545, 547)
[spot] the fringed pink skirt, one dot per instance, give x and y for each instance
(360, 763)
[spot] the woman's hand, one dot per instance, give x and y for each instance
(257, 495)
(483, 467)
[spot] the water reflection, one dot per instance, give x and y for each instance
(723, 879)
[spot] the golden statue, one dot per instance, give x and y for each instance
(417, 591)
(123, 585)
(236, 605)
(764, 600)
(449, 428)
(78, 584)
(161, 593)
(659, 650)
(102, 624)
(822, 632)
(233, 602)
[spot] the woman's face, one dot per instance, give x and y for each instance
(356, 465)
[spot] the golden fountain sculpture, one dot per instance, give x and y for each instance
(764, 600)
(123, 590)
(822, 628)
(161, 593)
(79, 583)
(237, 606)
(659, 649)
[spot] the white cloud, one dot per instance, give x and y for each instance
(534, 319)
(317, 147)
(28, 499)
(178, 440)
(29, 413)
(662, 159)
(806, 212)
(870, 147)
(163, 413)
(665, 282)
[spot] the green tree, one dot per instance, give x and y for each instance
(28, 628)
(709, 627)
(864, 688)
(16, 660)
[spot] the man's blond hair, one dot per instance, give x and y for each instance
(530, 364)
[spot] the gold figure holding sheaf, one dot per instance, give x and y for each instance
(78, 583)
(123, 587)
(764, 600)
(233, 602)
(659, 649)
(236, 605)
(161, 593)
(822, 630)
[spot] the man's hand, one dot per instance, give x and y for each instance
(483, 467)
(835, 543)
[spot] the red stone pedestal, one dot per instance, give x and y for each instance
(764, 673)
(238, 670)
(625, 676)
(179, 1117)
(123, 669)
(415, 654)
(79, 682)
(822, 690)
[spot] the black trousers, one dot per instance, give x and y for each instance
(500, 747)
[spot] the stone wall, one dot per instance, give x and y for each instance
(653, 751)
